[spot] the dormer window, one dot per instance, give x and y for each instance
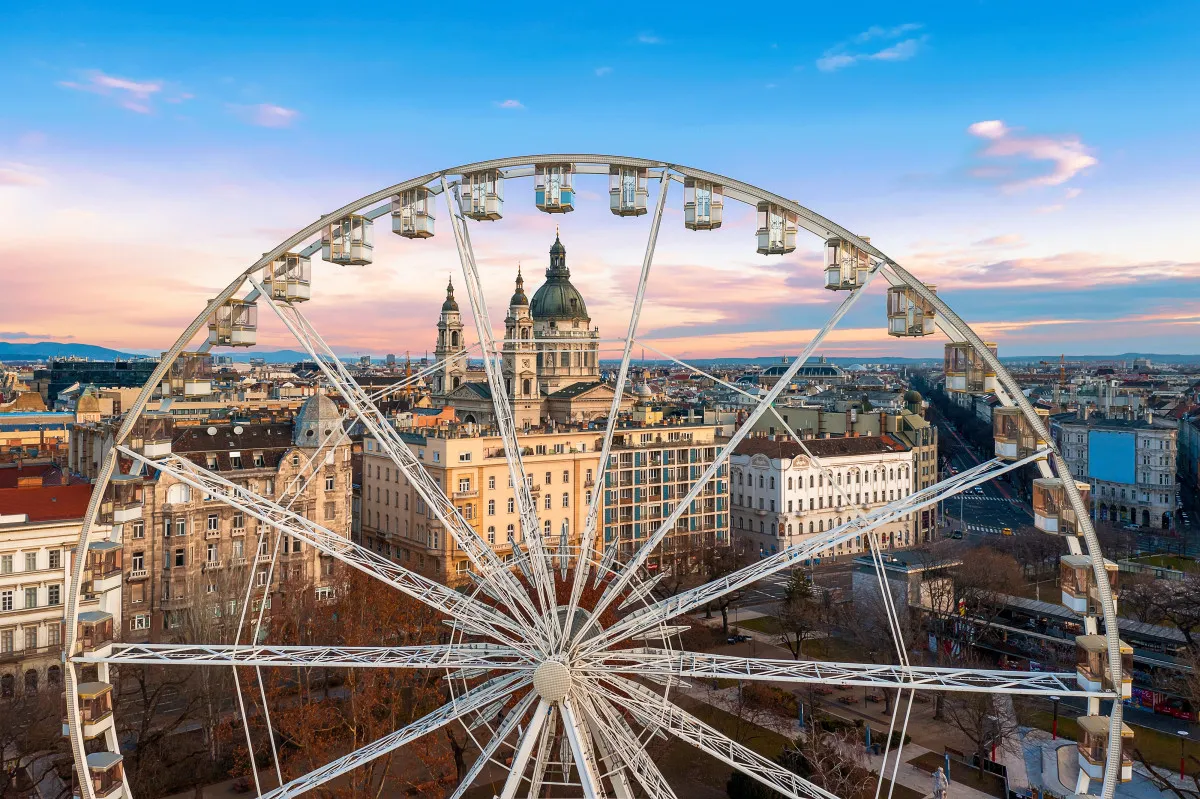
(259, 460)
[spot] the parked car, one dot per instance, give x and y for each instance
(737, 639)
(957, 535)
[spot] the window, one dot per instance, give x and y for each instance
(509, 531)
(295, 544)
(239, 521)
(179, 557)
(139, 561)
(53, 635)
(547, 501)
(30, 561)
(212, 553)
(491, 535)
(566, 476)
(259, 460)
(324, 593)
(54, 595)
(181, 527)
(239, 550)
(491, 484)
(31, 597)
(214, 521)
(587, 476)
(546, 529)
(166, 528)
(261, 577)
(235, 460)
(491, 507)
(6, 564)
(140, 621)
(510, 504)
(330, 482)
(566, 500)
(6, 642)
(464, 457)
(330, 510)
(548, 476)
(137, 530)
(464, 484)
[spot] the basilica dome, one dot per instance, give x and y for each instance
(557, 300)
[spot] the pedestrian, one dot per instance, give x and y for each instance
(939, 784)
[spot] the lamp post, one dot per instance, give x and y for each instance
(1183, 736)
(1054, 724)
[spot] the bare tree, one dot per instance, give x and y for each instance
(801, 613)
(983, 721)
(718, 562)
(32, 746)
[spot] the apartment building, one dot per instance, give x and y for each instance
(187, 549)
(649, 468)
(781, 497)
(39, 530)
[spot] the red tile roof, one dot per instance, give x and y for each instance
(50, 504)
(10, 474)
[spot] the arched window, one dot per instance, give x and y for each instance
(789, 528)
(179, 493)
(31, 681)
(525, 386)
(546, 529)
(6, 686)
(760, 481)
(761, 527)
(810, 528)
(510, 532)
(789, 484)
(491, 535)
(54, 676)
(821, 526)
(772, 481)
(454, 338)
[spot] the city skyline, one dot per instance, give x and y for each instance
(1025, 191)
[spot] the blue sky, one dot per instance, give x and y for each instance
(1037, 161)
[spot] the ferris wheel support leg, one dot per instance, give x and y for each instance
(516, 774)
(618, 585)
(585, 764)
(489, 750)
(543, 754)
(588, 539)
(622, 740)
(503, 410)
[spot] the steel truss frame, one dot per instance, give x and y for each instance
(592, 724)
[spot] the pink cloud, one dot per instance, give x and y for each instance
(509, 104)
(19, 175)
(1067, 155)
(268, 115)
(133, 95)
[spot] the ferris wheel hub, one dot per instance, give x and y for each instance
(552, 681)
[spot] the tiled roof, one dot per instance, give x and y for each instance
(821, 447)
(10, 474)
(272, 440)
(53, 503)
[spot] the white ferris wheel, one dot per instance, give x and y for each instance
(570, 692)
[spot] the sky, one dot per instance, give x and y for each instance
(1038, 163)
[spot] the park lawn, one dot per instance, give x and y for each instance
(762, 624)
(1170, 562)
(1159, 748)
(960, 774)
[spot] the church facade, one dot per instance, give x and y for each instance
(550, 361)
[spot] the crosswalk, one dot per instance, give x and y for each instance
(987, 498)
(983, 528)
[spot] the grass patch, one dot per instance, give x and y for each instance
(899, 792)
(1159, 748)
(1170, 562)
(960, 774)
(762, 624)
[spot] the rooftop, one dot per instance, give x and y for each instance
(47, 504)
(779, 447)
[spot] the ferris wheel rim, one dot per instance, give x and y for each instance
(806, 218)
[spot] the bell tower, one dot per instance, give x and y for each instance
(520, 359)
(449, 342)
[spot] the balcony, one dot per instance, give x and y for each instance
(264, 557)
(138, 574)
(212, 533)
(237, 562)
(21, 654)
(212, 565)
(468, 494)
(238, 531)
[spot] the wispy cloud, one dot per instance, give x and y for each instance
(13, 174)
(133, 95)
(847, 53)
(602, 71)
(266, 115)
(648, 38)
(513, 104)
(1067, 156)
(1003, 240)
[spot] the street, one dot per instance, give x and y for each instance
(988, 509)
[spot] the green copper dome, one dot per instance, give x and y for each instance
(557, 300)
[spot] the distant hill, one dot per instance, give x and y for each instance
(42, 350)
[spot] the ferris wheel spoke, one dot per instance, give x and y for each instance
(618, 585)
(481, 555)
(456, 708)
(549, 732)
(588, 538)
(507, 727)
(526, 510)
(529, 739)
(473, 616)
(657, 712)
(662, 611)
(616, 737)
(428, 656)
(656, 662)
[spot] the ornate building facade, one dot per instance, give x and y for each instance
(550, 358)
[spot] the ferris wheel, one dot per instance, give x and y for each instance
(562, 664)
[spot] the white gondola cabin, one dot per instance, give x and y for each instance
(1078, 583)
(412, 213)
(776, 230)
(554, 188)
(966, 370)
(152, 434)
(348, 241)
(289, 278)
(95, 631)
(703, 204)
(95, 707)
(190, 375)
(102, 567)
(105, 773)
(627, 190)
(1093, 747)
(234, 324)
(483, 195)
(1052, 513)
(910, 314)
(1015, 435)
(125, 492)
(846, 265)
(1092, 669)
